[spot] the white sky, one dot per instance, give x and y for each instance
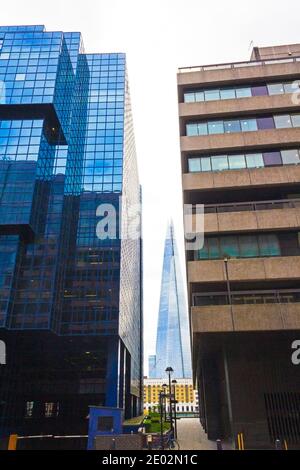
(159, 36)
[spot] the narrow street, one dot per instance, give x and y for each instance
(192, 437)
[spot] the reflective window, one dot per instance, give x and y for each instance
(254, 160)
(248, 246)
(227, 93)
(243, 92)
(290, 157)
(296, 120)
(212, 95)
(194, 165)
(249, 125)
(202, 128)
(216, 127)
(191, 129)
(205, 164)
(265, 123)
(275, 89)
(189, 97)
(199, 96)
(219, 163)
(236, 162)
(259, 90)
(272, 158)
(283, 121)
(229, 247)
(232, 126)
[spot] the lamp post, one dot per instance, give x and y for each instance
(169, 371)
(174, 382)
(165, 386)
(161, 393)
(228, 288)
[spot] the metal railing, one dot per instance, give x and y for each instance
(235, 65)
(250, 206)
(281, 296)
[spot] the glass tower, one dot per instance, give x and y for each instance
(173, 337)
(70, 301)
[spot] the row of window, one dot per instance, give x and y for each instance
(229, 93)
(229, 126)
(240, 161)
(240, 246)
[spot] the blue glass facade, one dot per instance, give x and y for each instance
(173, 337)
(66, 147)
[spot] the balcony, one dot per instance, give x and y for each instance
(251, 216)
(268, 310)
(245, 178)
(245, 269)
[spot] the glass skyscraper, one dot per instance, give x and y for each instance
(70, 301)
(173, 337)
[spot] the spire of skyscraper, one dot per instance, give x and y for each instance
(173, 338)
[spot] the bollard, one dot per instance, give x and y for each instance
(219, 444)
(113, 444)
(278, 445)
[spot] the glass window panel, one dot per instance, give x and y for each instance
(291, 87)
(205, 164)
(232, 126)
(229, 247)
(269, 245)
(216, 127)
(283, 121)
(254, 160)
(259, 90)
(211, 95)
(202, 128)
(191, 129)
(265, 123)
(227, 94)
(296, 120)
(236, 161)
(290, 157)
(243, 92)
(248, 246)
(272, 158)
(189, 97)
(203, 253)
(249, 125)
(219, 163)
(213, 247)
(199, 96)
(275, 88)
(194, 164)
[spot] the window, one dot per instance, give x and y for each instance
(254, 160)
(290, 157)
(268, 245)
(194, 164)
(291, 87)
(189, 97)
(219, 163)
(202, 128)
(29, 409)
(191, 129)
(283, 121)
(243, 92)
(232, 126)
(259, 90)
(248, 246)
(216, 127)
(227, 94)
(272, 158)
(199, 96)
(106, 423)
(20, 76)
(275, 88)
(205, 164)
(236, 162)
(296, 120)
(4, 56)
(50, 410)
(265, 123)
(229, 247)
(212, 95)
(249, 125)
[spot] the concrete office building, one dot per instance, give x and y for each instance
(240, 144)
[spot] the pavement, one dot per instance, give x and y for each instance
(192, 437)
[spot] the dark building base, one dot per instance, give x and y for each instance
(248, 384)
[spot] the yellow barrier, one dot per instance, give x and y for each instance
(12, 443)
(240, 441)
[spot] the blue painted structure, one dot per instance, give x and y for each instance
(99, 412)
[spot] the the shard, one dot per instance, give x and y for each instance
(173, 337)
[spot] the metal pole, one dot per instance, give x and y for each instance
(170, 401)
(161, 422)
(175, 412)
(228, 290)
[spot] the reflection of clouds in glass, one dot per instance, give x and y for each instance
(2, 93)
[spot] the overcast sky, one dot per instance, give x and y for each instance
(159, 36)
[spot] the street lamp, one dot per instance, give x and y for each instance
(165, 386)
(161, 397)
(174, 382)
(169, 371)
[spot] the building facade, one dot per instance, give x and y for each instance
(240, 144)
(70, 280)
(185, 395)
(173, 338)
